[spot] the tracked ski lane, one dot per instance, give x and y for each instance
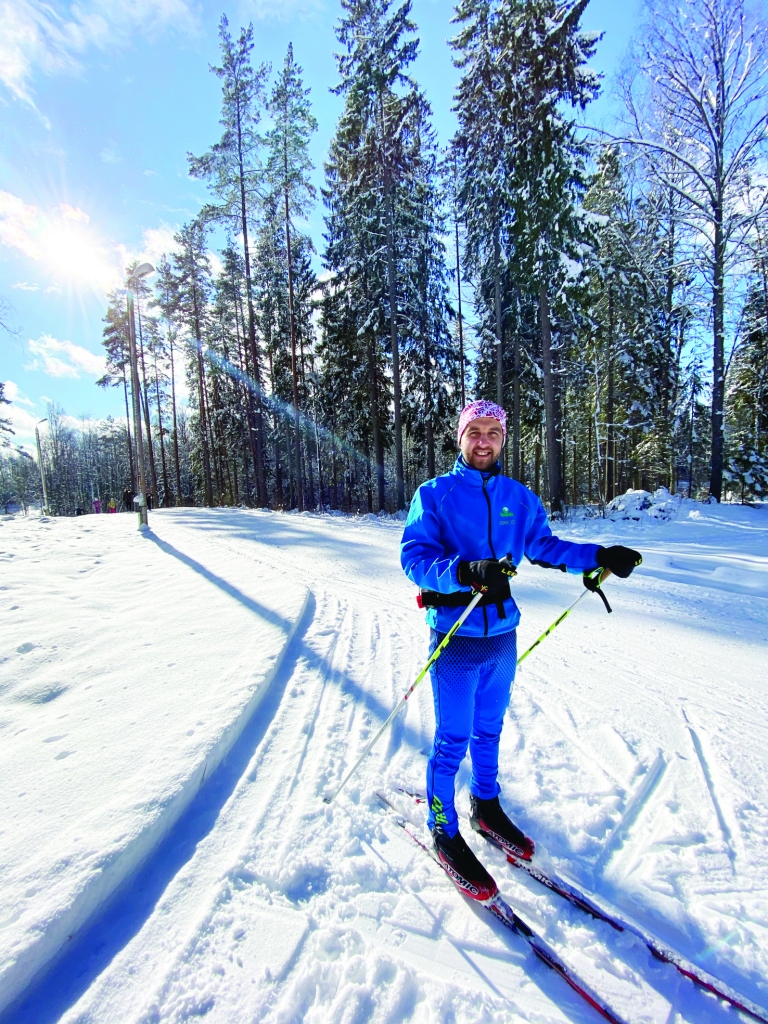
(285, 910)
(216, 869)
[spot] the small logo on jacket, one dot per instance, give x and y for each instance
(507, 514)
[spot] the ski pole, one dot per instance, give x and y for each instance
(596, 579)
(435, 655)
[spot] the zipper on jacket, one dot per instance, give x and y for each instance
(490, 543)
(490, 516)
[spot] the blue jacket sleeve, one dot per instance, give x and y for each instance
(422, 554)
(543, 548)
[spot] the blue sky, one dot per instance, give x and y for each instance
(100, 101)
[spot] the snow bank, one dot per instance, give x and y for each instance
(128, 668)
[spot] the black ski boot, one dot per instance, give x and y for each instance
(462, 866)
(488, 818)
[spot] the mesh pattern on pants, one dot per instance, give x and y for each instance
(471, 685)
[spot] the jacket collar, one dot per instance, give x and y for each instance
(472, 476)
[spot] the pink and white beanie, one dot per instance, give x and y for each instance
(482, 407)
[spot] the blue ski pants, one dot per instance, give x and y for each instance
(471, 685)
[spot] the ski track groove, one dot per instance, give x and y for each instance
(637, 803)
(343, 643)
(726, 832)
(590, 757)
(273, 830)
(238, 820)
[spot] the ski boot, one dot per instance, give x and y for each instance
(488, 818)
(462, 866)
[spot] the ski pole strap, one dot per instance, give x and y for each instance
(592, 581)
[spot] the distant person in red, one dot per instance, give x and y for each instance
(97, 505)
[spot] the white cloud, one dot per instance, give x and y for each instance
(63, 358)
(15, 394)
(18, 223)
(158, 242)
(22, 423)
(64, 243)
(60, 239)
(149, 174)
(217, 267)
(36, 36)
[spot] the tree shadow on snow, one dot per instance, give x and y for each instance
(65, 979)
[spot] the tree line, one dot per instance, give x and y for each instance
(609, 289)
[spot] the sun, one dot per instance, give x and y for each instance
(74, 255)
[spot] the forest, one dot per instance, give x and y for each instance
(610, 289)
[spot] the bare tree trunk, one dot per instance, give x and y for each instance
(201, 404)
(166, 488)
(128, 429)
(378, 448)
(718, 358)
(179, 499)
(499, 328)
(430, 437)
(392, 285)
(294, 364)
(261, 482)
(144, 393)
(556, 496)
(516, 407)
(458, 293)
(609, 410)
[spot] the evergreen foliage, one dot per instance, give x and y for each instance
(595, 271)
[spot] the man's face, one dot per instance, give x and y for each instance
(481, 442)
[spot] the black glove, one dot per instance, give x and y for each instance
(620, 560)
(487, 575)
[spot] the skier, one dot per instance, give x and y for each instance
(466, 531)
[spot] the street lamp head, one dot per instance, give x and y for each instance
(41, 421)
(141, 271)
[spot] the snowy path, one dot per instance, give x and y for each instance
(634, 753)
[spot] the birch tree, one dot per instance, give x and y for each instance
(699, 100)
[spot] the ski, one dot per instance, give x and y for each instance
(501, 911)
(657, 949)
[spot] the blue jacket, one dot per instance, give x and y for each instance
(468, 514)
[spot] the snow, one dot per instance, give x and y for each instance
(210, 681)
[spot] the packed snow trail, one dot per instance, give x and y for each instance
(634, 753)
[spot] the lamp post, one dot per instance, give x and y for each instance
(132, 285)
(40, 464)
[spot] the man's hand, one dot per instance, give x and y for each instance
(487, 575)
(620, 560)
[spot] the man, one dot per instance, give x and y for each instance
(466, 531)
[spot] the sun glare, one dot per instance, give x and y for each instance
(74, 255)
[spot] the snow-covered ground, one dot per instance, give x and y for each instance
(174, 706)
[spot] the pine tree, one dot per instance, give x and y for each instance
(288, 171)
(115, 341)
(193, 276)
(233, 169)
(167, 301)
